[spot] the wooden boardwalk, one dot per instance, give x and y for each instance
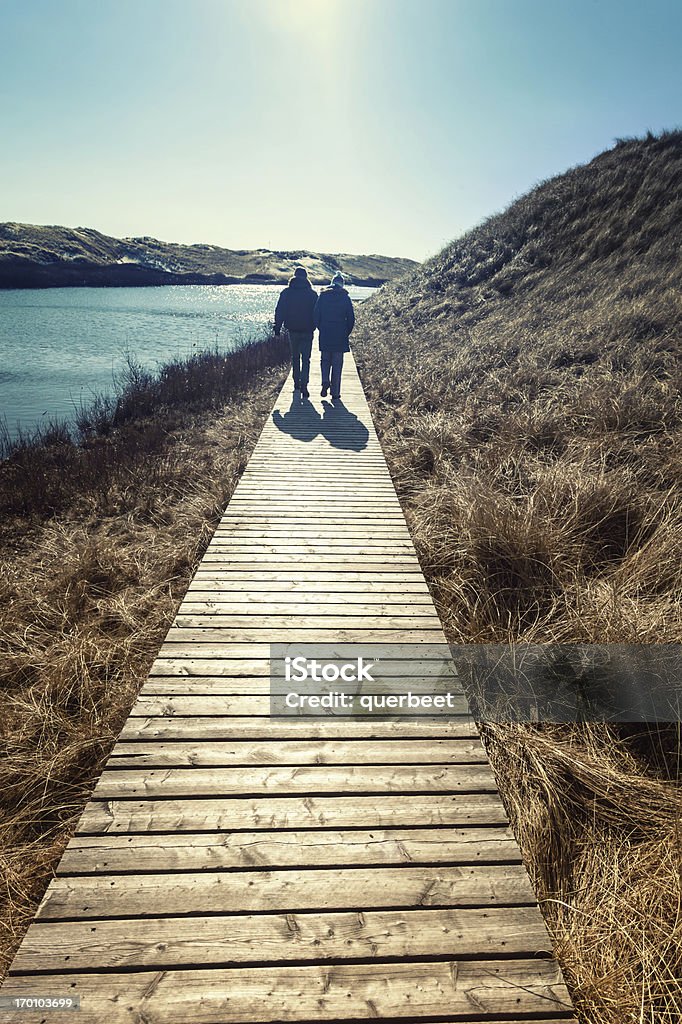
(234, 867)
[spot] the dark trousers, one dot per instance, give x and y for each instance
(331, 366)
(301, 346)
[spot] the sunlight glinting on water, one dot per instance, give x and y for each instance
(62, 346)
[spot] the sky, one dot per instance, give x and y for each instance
(361, 126)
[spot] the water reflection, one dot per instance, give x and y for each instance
(61, 346)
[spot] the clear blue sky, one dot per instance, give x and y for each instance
(385, 126)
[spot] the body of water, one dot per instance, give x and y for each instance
(61, 346)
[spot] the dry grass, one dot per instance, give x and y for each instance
(86, 598)
(599, 826)
(525, 384)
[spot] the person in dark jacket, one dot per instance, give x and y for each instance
(295, 311)
(335, 319)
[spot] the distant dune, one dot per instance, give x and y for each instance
(33, 256)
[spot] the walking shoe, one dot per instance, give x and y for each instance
(325, 389)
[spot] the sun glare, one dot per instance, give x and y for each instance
(302, 16)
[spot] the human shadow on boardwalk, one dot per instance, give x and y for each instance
(337, 424)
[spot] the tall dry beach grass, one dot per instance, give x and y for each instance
(86, 595)
(525, 385)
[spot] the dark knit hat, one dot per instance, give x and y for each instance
(301, 272)
(337, 280)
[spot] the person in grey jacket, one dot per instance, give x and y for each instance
(294, 310)
(335, 318)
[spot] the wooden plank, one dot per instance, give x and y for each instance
(299, 536)
(264, 513)
(250, 585)
(166, 783)
(267, 813)
(362, 634)
(471, 990)
(335, 501)
(335, 498)
(238, 939)
(406, 581)
(333, 560)
(208, 686)
(134, 854)
(185, 663)
(290, 473)
(247, 651)
(336, 546)
(230, 686)
(181, 659)
(423, 675)
(212, 618)
(213, 728)
(236, 685)
(309, 529)
(291, 752)
(222, 892)
(225, 604)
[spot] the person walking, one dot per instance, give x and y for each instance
(294, 311)
(335, 318)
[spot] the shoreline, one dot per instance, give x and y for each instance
(188, 280)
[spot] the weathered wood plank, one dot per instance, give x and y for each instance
(333, 504)
(336, 547)
(213, 728)
(289, 752)
(472, 990)
(335, 499)
(222, 892)
(250, 585)
(186, 686)
(278, 780)
(268, 813)
(373, 565)
(292, 634)
(225, 604)
(310, 528)
(235, 939)
(376, 511)
(235, 685)
(211, 618)
(133, 854)
(182, 659)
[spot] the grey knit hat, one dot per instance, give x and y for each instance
(338, 280)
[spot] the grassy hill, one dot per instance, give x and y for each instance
(525, 383)
(32, 256)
